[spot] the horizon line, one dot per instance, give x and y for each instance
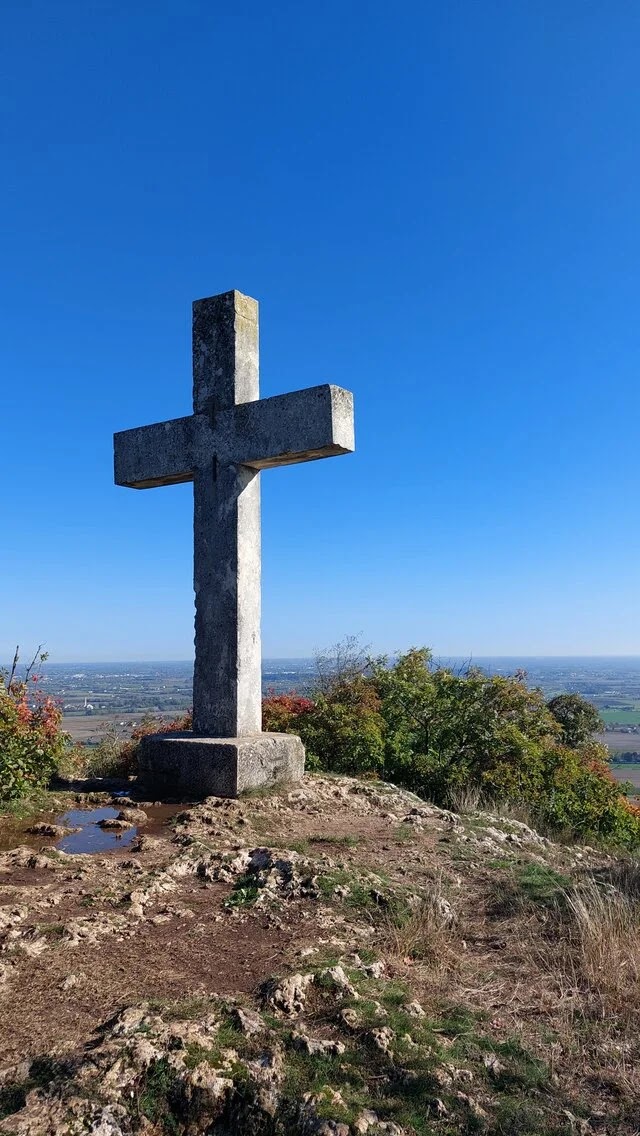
(307, 658)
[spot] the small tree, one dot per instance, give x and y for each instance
(577, 718)
(339, 664)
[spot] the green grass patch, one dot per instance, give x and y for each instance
(516, 1116)
(361, 895)
(53, 931)
(40, 801)
(404, 833)
(299, 846)
(528, 887)
(245, 892)
(161, 1098)
(540, 885)
(180, 1009)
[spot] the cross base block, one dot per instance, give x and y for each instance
(181, 764)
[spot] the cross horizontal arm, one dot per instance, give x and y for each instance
(161, 454)
(289, 428)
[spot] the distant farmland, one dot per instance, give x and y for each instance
(621, 717)
(627, 773)
(618, 742)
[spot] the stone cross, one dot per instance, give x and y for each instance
(231, 436)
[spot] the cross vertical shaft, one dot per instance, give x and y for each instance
(227, 672)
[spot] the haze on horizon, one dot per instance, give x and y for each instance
(443, 657)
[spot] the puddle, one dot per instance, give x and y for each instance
(92, 838)
(12, 833)
(89, 838)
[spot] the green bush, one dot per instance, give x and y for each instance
(582, 797)
(31, 741)
(438, 732)
(342, 729)
(446, 730)
(577, 718)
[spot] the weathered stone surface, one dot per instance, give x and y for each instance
(183, 764)
(288, 428)
(222, 447)
(46, 829)
(135, 816)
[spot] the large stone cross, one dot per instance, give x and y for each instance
(221, 447)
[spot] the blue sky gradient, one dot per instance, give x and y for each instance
(437, 207)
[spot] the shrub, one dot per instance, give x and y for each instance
(31, 741)
(343, 732)
(581, 796)
(115, 756)
(577, 718)
(448, 731)
(342, 729)
(281, 711)
(441, 733)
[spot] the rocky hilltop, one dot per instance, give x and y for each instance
(336, 959)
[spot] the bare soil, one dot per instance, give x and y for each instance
(466, 915)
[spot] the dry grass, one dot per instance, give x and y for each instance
(467, 799)
(604, 940)
(423, 933)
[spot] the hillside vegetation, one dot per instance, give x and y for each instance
(450, 735)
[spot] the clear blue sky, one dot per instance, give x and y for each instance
(437, 205)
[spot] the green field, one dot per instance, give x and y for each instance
(621, 717)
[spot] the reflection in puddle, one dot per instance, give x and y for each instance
(90, 837)
(14, 831)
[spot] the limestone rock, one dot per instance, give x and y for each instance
(134, 816)
(414, 1010)
(369, 1119)
(70, 981)
(316, 1046)
(112, 1120)
(249, 1021)
(10, 917)
(207, 1093)
(267, 1074)
(312, 1103)
(382, 1036)
(289, 995)
(336, 976)
(494, 1066)
(350, 1018)
(43, 828)
(375, 970)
